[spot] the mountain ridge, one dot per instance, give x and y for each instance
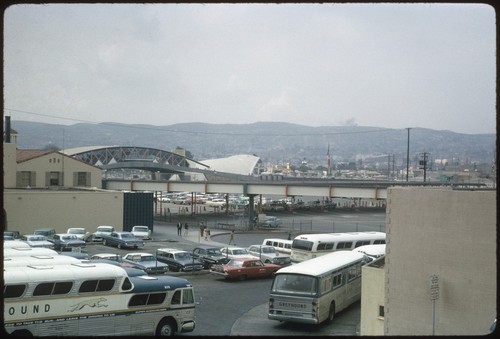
(276, 142)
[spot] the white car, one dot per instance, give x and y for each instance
(268, 254)
(237, 253)
(141, 232)
(100, 231)
(80, 232)
(37, 241)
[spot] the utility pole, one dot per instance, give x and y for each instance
(408, 154)
(423, 164)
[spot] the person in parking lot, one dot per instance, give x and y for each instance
(186, 229)
(231, 239)
(179, 228)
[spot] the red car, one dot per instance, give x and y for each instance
(244, 268)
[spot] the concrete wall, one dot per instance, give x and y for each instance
(451, 234)
(30, 209)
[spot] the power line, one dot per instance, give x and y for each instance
(114, 124)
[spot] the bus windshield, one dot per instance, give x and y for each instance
(305, 245)
(295, 284)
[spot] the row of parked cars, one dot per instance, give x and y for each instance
(76, 238)
(256, 260)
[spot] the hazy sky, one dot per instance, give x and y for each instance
(383, 65)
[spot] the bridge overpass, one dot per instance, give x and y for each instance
(286, 187)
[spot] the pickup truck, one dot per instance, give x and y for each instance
(121, 240)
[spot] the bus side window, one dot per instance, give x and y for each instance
(337, 279)
(176, 298)
(187, 296)
(14, 291)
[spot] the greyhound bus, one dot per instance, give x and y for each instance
(309, 246)
(315, 290)
(94, 299)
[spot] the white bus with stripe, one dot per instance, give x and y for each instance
(309, 246)
(94, 299)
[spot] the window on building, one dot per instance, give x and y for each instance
(54, 179)
(25, 179)
(381, 311)
(81, 179)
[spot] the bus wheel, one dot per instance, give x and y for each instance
(22, 333)
(166, 328)
(331, 313)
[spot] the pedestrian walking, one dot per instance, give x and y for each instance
(202, 228)
(231, 239)
(179, 228)
(206, 232)
(186, 229)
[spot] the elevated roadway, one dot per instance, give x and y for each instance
(252, 186)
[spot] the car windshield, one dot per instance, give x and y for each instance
(214, 251)
(235, 263)
(127, 235)
(104, 229)
(242, 251)
(37, 238)
(147, 258)
(182, 256)
(76, 231)
(141, 229)
(268, 250)
(69, 237)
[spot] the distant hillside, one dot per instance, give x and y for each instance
(273, 142)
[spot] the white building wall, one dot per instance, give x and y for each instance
(372, 297)
(448, 233)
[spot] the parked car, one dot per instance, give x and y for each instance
(121, 240)
(37, 241)
(11, 235)
(113, 258)
(47, 232)
(242, 269)
(178, 260)
(141, 232)
(268, 254)
(237, 253)
(100, 231)
(269, 222)
(80, 232)
(147, 262)
(209, 256)
(64, 241)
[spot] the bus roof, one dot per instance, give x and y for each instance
(15, 244)
(39, 260)
(47, 273)
(24, 252)
(323, 264)
(371, 250)
(347, 236)
(146, 283)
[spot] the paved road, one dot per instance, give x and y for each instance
(255, 321)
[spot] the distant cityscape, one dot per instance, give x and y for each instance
(294, 150)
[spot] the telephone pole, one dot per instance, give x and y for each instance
(408, 154)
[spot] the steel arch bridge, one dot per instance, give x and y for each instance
(133, 157)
